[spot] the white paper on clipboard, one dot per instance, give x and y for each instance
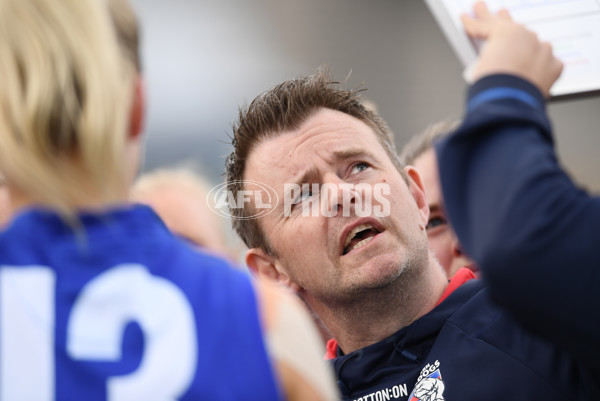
(572, 26)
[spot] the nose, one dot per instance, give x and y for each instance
(457, 250)
(337, 196)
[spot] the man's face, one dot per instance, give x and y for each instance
(334, 258)
(442, 239)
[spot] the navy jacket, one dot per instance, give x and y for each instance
(464, 349)
(534, 234)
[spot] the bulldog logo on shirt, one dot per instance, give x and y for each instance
(430, 386)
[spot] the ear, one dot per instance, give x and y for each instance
(263, 265)
(138, 109)
(418, 192)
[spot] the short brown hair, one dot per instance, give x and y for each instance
(283, 108)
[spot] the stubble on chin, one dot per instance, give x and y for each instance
(395, 284)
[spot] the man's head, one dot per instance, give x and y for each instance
(419, 153)
(310, 131)
(283, 108)
(179, 197)
(70, 100)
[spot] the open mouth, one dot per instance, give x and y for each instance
(358, 237)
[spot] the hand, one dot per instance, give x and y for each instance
(510, 48)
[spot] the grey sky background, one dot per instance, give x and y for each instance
(202, 59)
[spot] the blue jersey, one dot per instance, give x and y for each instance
(120, 309)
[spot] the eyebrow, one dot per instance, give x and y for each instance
(350, 154)
(312, 172)
(306, 177)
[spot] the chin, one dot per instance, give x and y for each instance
(383, 273)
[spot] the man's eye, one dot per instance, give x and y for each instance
(358, 167)
(435, 222)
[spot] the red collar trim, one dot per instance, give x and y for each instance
(460, 277)
(331, 349)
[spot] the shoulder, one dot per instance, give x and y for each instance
(480, 321)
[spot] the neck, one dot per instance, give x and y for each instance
(19, 200)
(381, 312)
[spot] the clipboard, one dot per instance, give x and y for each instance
(571, 26)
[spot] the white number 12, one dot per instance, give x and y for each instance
(95, 327)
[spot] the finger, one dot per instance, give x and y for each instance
(505, 14)
(482, 11)
(556, 65)
(475, 28)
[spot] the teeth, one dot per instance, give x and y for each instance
(353, 232)
(361, 243)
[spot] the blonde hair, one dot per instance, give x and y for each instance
(183, 177)
(68, 70)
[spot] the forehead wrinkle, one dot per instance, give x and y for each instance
(284, 151)
(334, 124)
(300, 136)
(291, 147)
(310, 130)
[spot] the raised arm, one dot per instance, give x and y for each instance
(516, 212)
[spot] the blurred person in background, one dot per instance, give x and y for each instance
(4, 204)
(419, 152)
(517, 212)
(179, 196)
(98, 301)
